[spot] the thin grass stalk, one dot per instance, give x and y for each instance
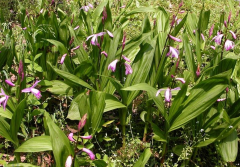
(149, 112)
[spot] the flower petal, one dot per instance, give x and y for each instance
(159, 91)
(9, 83)
(63, 58)
(86, 137)
(70, 137)
(175, 39)
(68, 162)
(113, 65)
(181, 80)
(110, 34)
(89, 152)
(26, 90)
(125, 58)
(128, 69)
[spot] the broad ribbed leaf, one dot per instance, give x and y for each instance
(5, 130)
(60, 144)
(17, 120)
(112, 103)
(143, 158)
(5, 113)
(141, 10)
(158, 133)
(228, 147)
(201, 97)
(60, 88)
(70, 77)
(36, 144)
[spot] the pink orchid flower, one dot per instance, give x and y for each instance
(175, 39)
(34, 91)
(181, 80)
(211, 30)
(63, 58)
(229, 45)
(213, 47)
(86, 137)
(3, 99)
(113, 65)
(82, 122)
(233, 34)
(20, 70)
(89, 152)
(9, 83)
(104, 53)
(125, 58)
(94, 37)
(172, 51)
(218, 38)
(128, 69)
(70, 137)
(86, 8)
(68, 162)
(221, 99)
(168, 93)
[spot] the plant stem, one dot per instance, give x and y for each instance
(17, 155)
(149, 111)
(123, 116)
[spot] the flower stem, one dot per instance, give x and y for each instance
(149, 111)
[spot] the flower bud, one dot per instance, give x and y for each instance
(82, 122)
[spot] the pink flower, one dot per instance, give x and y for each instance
(128, 69)
(109, 33)
(77, 47)
(233, 34)
(172, 51)
(34, 91)
(70, 137)
(125, 58)
(9, 83)
(218, 38)
(86, 8)
(105, 54)
(3, 99)
(229, 45)
(123, 6)
(213, 47)
(69, 161)
(221, 99)
(175, 39)
(225, 23)
(20, 70)
(82, 122)
(24, 28)
(181, 4)
(94, 37)
(211, 30)
(63, 58)
(76, 28)
(113, 65)
(86, 137)
(181, 80)
(168, 93)
(123, 41)
(203, 38)
(229, 16)
(89, 152)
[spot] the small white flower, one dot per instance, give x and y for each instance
(202, 130)
(230, 127)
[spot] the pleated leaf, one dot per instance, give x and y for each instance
(143, 159)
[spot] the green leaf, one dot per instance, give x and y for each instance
(201, 97)
(36, 144)
(71, 78)
(20, 165)
(100, 163)
(112, 103)
(60, 88)
(60, 144)
(17, 120)
(158, 134)
(143, 158)
(228, 147)
(141, 10)
(5, 130)
(178, 149)
(6, 113)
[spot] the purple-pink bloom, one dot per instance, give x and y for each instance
(24, 28)
(109, 33)
(128, 69)
(229, 45)
(105, 54)
(123, 41)
(203, 38)
(225, 23)
(63, 58)
(221, 99)
(178, 21)
(181, 80)
(175, 39)
(167, 94)
(123, 6)
(173, 51)
(86, 137)
(4, 99)
(229, 16)
(9, 83)
(125, 58)
(89, 152)
(198, 72)
(218, 38)
(77, 47)
(211, 30)
(86, 8)
(70, 137)
(233, 34)
(213, 47)
(34, 91)
(76, 28)
(113, 65)
(194, 32)
(94, 37)
(68, 162)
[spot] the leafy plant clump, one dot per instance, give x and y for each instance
(120, 83)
